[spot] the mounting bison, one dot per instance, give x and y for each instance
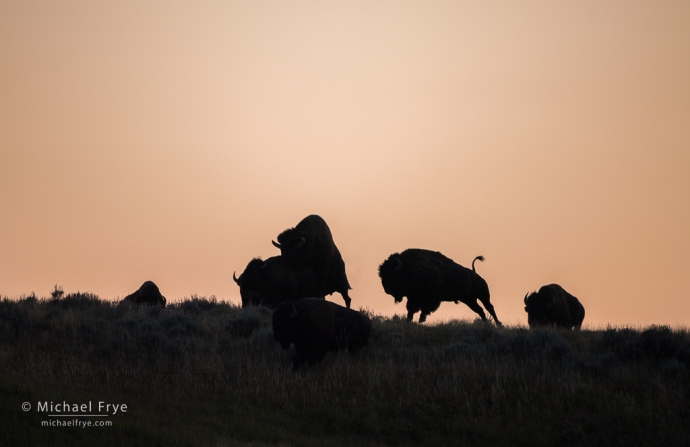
(553, 306)
(428, 277)
(271, 282)
(310, 244)
(308, 323)
(148, 293)
(352, 329)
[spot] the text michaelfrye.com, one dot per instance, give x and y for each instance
(64, 414)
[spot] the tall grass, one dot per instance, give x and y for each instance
(203, 372)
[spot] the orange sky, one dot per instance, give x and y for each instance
(172, 141)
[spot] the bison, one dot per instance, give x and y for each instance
(552, 305)
(428, 277)
(271, 282)
(308, 323)
(352, 329)
(310, 244)
(148, 293)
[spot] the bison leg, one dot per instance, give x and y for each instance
(427, 308)
(474, 305)
(347, 298)
(487, 304)
(411, 309)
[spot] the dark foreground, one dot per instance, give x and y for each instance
(208, 373)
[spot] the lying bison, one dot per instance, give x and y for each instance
(148, 293)
(352, 329)
(310, 244)
(552, 305)
(309, 324)
(271, 282)
(427, 278)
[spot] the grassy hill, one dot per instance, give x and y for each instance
(202, 372)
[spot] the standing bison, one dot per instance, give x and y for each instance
(552, 305)
(317, 326)
(271, 282)
(428, 277)
(148, 293)
(352, 329)
(310, 244)
(308, 323)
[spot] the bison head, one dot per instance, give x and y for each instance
(291, 244)
(250, 282)
(392, 274)
(284, 318)
(538, 307)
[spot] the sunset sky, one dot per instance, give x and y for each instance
(171, 141)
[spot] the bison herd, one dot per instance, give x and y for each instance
(310, 266)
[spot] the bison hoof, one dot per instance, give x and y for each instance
(422, 318)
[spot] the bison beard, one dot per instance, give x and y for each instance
(310, 244)
(428, 277)
(552, 305)
(148, 293)
(271, 282)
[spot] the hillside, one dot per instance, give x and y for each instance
(202, 372)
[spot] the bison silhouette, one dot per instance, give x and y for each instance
(316, 327)
(271, 282)
(310, 244)
(428, 277)
(553, 306)
(309, 324)
(148, 293)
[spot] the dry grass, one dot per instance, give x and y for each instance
(202, 372)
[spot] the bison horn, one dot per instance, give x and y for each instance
(264, 265)
(275, 244)
(234, 278)
(553, 300)
(294, 311)
(301, 242)
(400, 263)
(526, 295)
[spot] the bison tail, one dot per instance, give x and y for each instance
(481, 258)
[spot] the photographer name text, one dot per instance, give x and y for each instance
(101, 407)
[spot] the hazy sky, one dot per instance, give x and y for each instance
(171, 141)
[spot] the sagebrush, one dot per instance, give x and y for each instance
(204, 372)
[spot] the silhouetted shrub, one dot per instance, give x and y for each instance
(178, 324)
(79, 300)
(243, 326)
(196, 305)
(624, 343)
(660, 343)
(57, 292)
